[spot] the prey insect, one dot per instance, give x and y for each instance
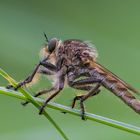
(74, 61)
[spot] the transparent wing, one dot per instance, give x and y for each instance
(105, 70)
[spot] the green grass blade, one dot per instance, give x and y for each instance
(33, 101)
(103, 120)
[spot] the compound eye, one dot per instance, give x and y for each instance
(52, 45)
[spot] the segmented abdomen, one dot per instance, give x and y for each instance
(120, 90)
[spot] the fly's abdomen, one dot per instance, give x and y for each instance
(122, 92)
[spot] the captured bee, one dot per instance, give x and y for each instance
(74, 62)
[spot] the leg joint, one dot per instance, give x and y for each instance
(70, 83)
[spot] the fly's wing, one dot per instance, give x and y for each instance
(103, 69)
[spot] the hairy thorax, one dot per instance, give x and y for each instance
(78, 52)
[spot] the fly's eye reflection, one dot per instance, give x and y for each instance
(52, 45)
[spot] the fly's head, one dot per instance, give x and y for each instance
(50, 49)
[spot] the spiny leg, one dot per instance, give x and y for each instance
(75, 99)
(51, 97)
(60, 83)
(80, 96)
(30, 78)
(81, 105)
(45, 91)
(89, 80)
(49, 66)
(94, 91)
(45, 72)
(82, 109)
(91, 93)
(83, 83)
(86, 88)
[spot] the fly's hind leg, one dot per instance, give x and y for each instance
(80, 96)
(84, 85)
(94, 91)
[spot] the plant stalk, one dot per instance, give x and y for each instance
(103, 120)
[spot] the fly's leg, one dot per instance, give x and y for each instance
(83, 87)
(94, 91)
(83, 84)
(49, 66)
(45, 72)
(80, 96)
(9, 86)
(83, 98)
(60, 83)
(30, 78)
(51, 97)
(40, 71)
(89, 80)
(45, 91)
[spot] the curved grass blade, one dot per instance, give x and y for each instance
(33, 101)
(103, 120)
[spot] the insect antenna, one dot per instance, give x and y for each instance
(46, 37)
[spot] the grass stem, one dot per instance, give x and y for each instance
(103, 120)
(32, 100)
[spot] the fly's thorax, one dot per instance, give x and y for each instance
(80, 52)
(88, 56)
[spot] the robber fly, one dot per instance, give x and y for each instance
(74, 61)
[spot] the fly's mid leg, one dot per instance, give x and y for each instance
(59, 86)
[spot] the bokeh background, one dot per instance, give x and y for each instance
(113, 26)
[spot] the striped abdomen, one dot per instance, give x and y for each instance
(120, 90)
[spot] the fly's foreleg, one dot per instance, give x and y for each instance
(45, 91)
(29, 79)
(40, 71)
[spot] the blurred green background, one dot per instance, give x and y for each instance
(113, 26)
